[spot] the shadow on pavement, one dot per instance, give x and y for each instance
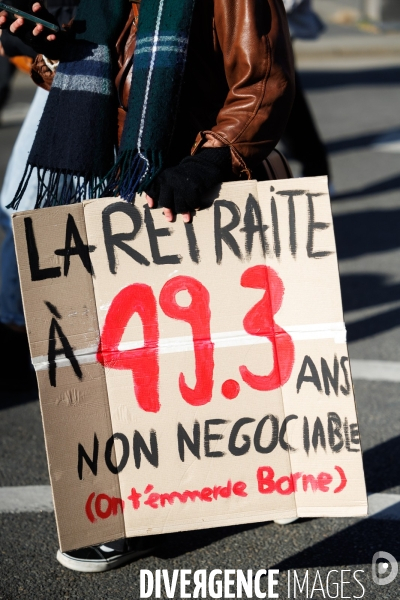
(11, 399)
(367, 232)
(363, 141)
(385, 185)
(354, 545)
(363, 290)
(370, 326)
(369, 290)
(316, 80)
(382, 466)
(363, 233)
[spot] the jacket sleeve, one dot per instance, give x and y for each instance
(254, 40)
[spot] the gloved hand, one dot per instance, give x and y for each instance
(37, 37)
(13, 46)
(180, 189)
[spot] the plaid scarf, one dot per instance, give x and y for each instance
(74, 152)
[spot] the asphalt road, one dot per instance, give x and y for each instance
(358, 114)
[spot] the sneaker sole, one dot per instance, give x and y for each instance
(99, 566)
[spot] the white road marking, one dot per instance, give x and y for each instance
(22, 499)
(384, 506)
(388, 142)
(352, 316)
(375, 370)
(392, 147)
(14, 114)
(38, 498)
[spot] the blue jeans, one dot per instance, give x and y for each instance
(11, 311)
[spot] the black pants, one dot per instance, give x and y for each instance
(6, 71)
(302, 138)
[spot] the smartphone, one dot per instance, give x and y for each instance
(16, 12)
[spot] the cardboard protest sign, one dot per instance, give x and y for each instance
(195, 375)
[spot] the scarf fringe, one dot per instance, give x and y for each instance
(58, 187)
(132, 174)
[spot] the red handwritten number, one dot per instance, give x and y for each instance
(198, 315)
(143, 362)
(260, 321)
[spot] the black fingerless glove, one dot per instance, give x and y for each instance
(182, 188)
(13, 46)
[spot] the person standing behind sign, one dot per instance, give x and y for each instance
(225, 83)
(221, 71)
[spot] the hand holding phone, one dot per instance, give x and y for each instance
(20, 27)
(46, 37)
(16, 12)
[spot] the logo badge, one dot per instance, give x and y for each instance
(385, 571)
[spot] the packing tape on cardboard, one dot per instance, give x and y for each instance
(319, 331)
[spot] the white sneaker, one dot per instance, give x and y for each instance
(285, 521)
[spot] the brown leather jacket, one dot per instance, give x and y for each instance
(239, 79)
